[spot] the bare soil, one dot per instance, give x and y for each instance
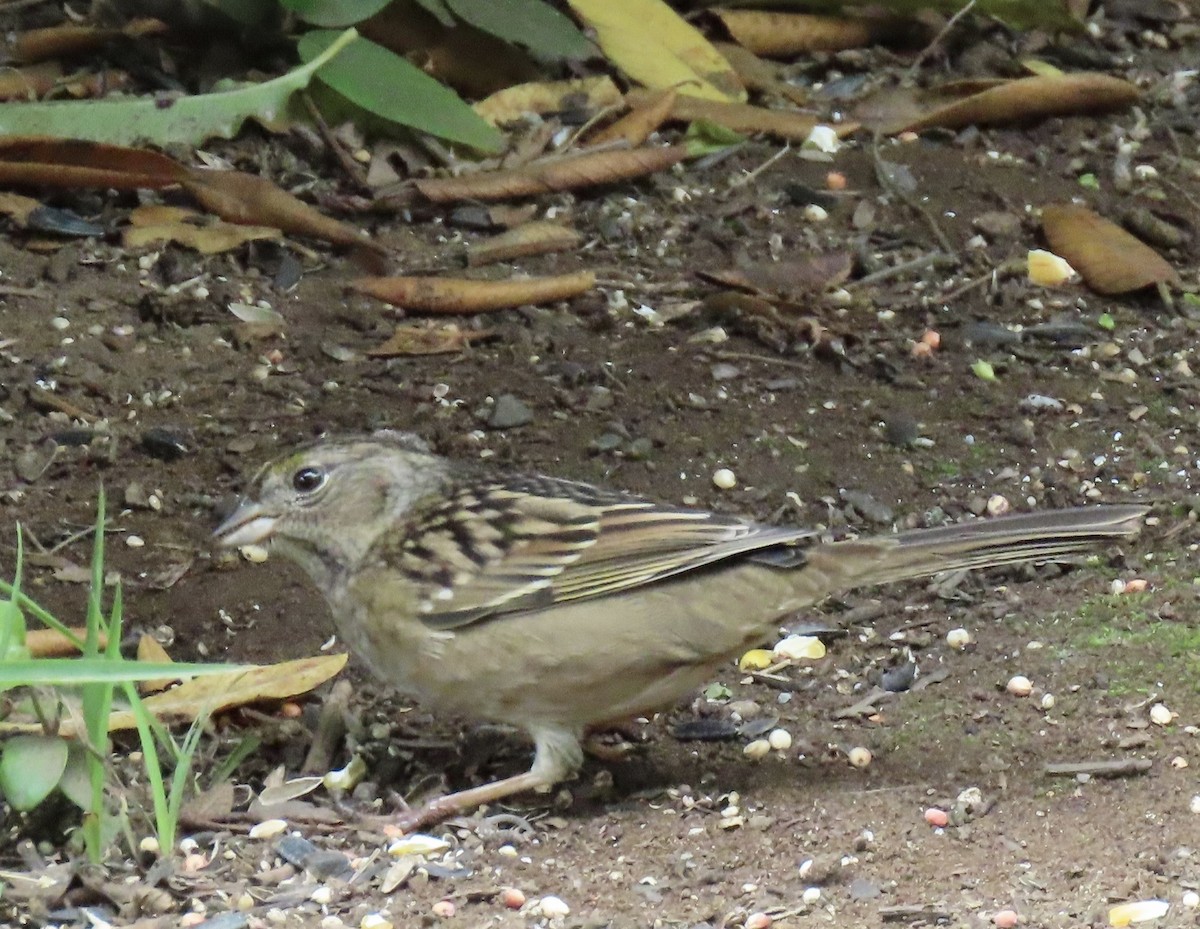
(150, 388)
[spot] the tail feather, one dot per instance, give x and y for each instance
(981, 543)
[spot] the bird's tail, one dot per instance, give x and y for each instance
(981, 543)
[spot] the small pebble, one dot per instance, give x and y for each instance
(1047, 701)
(1194, 804)
(936, 817)
(443, 909)
(859, 757)
(780, 739)
(135, 541)
(1019, 686)
(321, 895)
(1005, 919)
(1190, 899)
(375, 921)
(1136, 585)
(553, 906)
(724, 479)
(811, 895)
(512, 898)
(958, 639)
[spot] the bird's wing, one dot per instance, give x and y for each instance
(525, 543)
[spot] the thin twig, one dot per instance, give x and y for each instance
(765, 359)
(353, 169)
(915, 205)
(938, 39)
(752, 175)
(933, 259)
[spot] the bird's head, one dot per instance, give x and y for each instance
(325, 504)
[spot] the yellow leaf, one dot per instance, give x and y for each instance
(513, 103)
(756, 660)
(656, 47)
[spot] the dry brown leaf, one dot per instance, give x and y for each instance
(537, 238)
(636, 126)
(208, 239)
(50, 643)
(149, 649)
(428, 340)
(215, 693)
(254, 201)
(514, 103)
(759, 75)
(1109, 259)
(742, 117)
(460, 296)
(31, 82)
(71, 163)
(1027, 99)
(69, 39)
(16, 207)
(783, 35)
(586, 170)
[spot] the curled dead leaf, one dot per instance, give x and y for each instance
(784, 35)
(636, 126)
(536, 238)
(459, 296)
(428, 340)
(1109, 259)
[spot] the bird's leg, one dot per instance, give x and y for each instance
(557, 756)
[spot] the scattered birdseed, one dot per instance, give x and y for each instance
(512, 897)
(998, 505)
(255, 554)
(268, 828)
(1005, 919)
(757, 750)
(417, 844)
(780, 740)
(1190, 899)
(1140, 910)
(811, 895)
(724, 479)
(1019, 686)
(1161, 715)
(1047, 701)
(375, 921)
(758, 921)
(756, 660)
(797, 647)
(135, 541)
(958, 639)
(859, 757)
(937, 818)
(443, 909)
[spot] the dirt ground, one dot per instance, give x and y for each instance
(129, 371)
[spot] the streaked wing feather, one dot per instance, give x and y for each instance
(530, 542)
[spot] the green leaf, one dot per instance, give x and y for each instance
(74, 672)
(717, 692)
(1089, 181)
(704, 137)
(334, 13)
(437, 9)
(383, 83)
(76, 780)
(162, 120)
(30, 767)
(1107, 322)
(531, 24)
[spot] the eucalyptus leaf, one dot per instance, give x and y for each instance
(162, 120)
(531, 24)
(334, 13)
(30, 768)
(385, 84)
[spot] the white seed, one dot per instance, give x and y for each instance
(1140, 910)
(799, 647)
(553, 906)
(1179, 762)
(1194, 805)
(1161, 715)
(418, 844)
(724, 479)
(815, 214)
(507, 851)
(780, 739)
(811, 895)
(1019, 686)
(321, 894)
(1190, 899)
(135, 541)
(859, 757)
(255, 554)
(1046, 269)
(60, 323)
(1047, 701)
(958, 639)
(268, 828)
(757, 750)
(375, 921)
(149, 845)
(998, 505)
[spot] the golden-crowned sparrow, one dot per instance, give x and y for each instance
(559, 607)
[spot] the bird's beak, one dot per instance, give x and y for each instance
(249, 524)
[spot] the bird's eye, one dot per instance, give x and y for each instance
(307, 480)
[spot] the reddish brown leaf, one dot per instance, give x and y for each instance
(68, 39)
(459, 296)
(254, 201)
(1109, 259)
(1028, 99)
(71, 163)
(640, 123)
(785, 35)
